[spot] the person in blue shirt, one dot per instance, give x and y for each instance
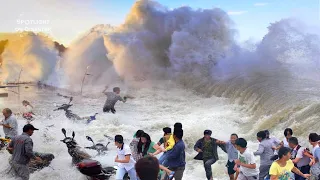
(176, 158)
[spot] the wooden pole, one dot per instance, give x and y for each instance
(84, 79)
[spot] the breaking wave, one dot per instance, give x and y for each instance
(28, 57)
(277, 78)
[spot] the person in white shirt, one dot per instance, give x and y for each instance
(246, 161)
(288, 134)
(27, 111)
(124, 159)
(298, 158)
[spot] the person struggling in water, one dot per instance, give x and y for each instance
(112, 99)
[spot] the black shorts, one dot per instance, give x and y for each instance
(108, 109)
(230, 166)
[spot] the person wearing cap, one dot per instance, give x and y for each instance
(247, 162)
(266, 152)
(207, 148)
(124, 159)
(21, 147)
(10, 125)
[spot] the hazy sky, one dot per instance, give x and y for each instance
(64, 20)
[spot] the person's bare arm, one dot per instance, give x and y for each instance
(6, 125)
(168, 171)
(129, 97)
(126, 160)
(296, 160)
(297, 171)
(105, 89)
(220, 142)
(159, 150)
(250, 166)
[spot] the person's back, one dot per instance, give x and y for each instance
(112, 98)
(134, 145)
(268, 152)
(22, 149)
(265, 152)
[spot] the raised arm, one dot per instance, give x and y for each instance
(222, 145)
(105, 89)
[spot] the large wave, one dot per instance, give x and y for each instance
(277, 78)
(28, 57)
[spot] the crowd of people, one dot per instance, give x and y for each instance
(279, 160)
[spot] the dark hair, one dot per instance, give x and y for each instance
(207, 132)
(261, 134)
(314, 137)
(282, 152)
(167, 130)
(177, 125)
(147, 168)
(178, 133)
(139, 133)
(241, 142)
(146, 146)
(115, 89)
(234, 134)
(293, 140)
(118, 139)
(267, 133)
(288, 131)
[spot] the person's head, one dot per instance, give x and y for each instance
(144, 144)
(313, 138)
(177, 134)
(233, 138)
(116, 90)
(267, 134)
(177, 125)
(138, 134)
(288, 133)
(293, 142)
(28, 129)
(166, 130)
(118, 141)
(207, 134)
(6, 112)
(261, 135)
(145, 138)
(241, 144)
(25, 103)
(147, 168)
(283, 154)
